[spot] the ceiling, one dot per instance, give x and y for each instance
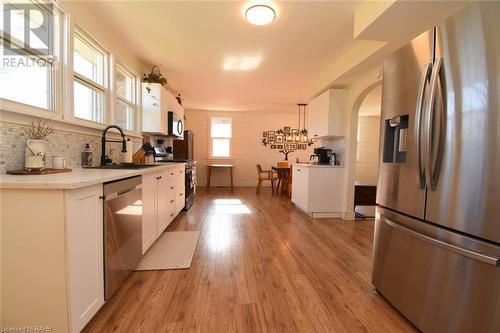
(196, 43)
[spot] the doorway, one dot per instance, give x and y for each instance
(367, 153)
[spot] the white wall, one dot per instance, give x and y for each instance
(367, 149)
(247, 149)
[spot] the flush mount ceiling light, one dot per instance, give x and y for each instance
(260, 15)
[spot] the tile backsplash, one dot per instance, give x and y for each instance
(60, 143)
(337, 146)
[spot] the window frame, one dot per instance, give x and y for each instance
(134, 104)
(211, 138)
(57, 75)
(87, 38)
(62, 92)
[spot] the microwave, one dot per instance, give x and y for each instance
(175, 125)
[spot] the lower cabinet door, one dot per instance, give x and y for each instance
(162, 202)
(84, 209)
(300, 187)
(149, 195)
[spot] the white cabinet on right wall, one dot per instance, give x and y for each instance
(327, 113)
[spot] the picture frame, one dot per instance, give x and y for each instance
(264, 134)
(279, 146)
(286, 129)
(291, 146)
(273, 146)
(270, 139)
(279, 139)
(271, 133)
(295, 131)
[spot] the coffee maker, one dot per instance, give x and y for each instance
(323, 155)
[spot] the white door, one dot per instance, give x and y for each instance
(84, 220)
(300, 187)
(149, 219)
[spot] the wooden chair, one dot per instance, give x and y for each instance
(283, 178)
(265, 175)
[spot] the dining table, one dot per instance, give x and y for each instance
(283, 178)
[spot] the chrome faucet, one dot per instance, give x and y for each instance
(103, 142)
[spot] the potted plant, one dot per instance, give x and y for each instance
(35, 145)
(155, 76)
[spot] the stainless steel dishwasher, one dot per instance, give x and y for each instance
(122, 231)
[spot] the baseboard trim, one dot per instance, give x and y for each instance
(350, 216)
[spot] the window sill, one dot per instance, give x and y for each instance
(73, 125)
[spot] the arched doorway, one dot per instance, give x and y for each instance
(367, 151)
(359, 93)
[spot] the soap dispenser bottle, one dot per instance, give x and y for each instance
(87, 157)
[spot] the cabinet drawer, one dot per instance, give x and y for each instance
(171, 210)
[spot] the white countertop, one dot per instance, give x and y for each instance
(307, 165)
(77, 178)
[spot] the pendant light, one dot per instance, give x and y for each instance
(302, 135)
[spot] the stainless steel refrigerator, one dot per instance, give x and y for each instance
(437, 231)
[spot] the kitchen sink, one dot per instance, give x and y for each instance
(132, 166)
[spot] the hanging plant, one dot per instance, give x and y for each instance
(155, 76)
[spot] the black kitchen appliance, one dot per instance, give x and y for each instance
(323, 154)
(183, 149)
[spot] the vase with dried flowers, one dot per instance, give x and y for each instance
(34, 156)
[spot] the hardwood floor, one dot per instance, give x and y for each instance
(260, 266)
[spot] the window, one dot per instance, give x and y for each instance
(125, 107)
(89, 87)
(220, 136)
(28, 70)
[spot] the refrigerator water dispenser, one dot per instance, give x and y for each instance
(395, 136)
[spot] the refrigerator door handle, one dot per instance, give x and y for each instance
(418, 122)
(429, 153)
(446, 246)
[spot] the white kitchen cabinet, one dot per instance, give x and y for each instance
(149, 210)
(85, 254)
(157, 101)
(162, 202)
(163, 199)
(318, 190)
(327, 114)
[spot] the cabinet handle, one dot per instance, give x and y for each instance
(181, 194)
(315, 134)
(171, 187)
(171, 201)
(171, 174)
(159, 177)
(298, 169)
(102, 197)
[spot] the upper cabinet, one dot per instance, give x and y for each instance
(327, 114)
(157, 101)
